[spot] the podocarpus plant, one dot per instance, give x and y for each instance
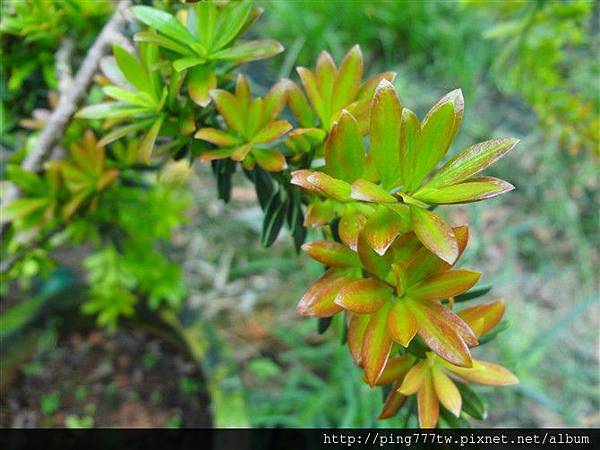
(355, 163)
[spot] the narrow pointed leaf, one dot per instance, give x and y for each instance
(348, 78)
(229, 107)
(385, 128)
(428, 403)
(444, 285)
(229, 23)
(392, 403)
(484, 372)
(344, 149)
(331, 187)
(482, 318)
(438, 328)
(271, 160)
(377, 344)
(163, 22)
(364, 296)
(437, 133)
(471, 161)
(312, 91)
(410, 133)
(350, 226)
(435, 234)
(217, 137)
(272, 131)
(147, 144)
(414, 378)
(473, 190)
(250, 51)
(163, 41)
(446, 391)
(201, 81)
(318, 299)
(325, 72)
(300, 107)
(473, 293)
(370, 192)
(332, 254)
(395, 369)
(110, 110)
(472, 403)
(357, 325)
(132, 69)
(402, 323)
(383, 227)
(378, 265)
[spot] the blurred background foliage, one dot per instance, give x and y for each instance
(528, 69)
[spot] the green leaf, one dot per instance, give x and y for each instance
(444, 285)
(21, 207)
(439, 328)
(364, 296)
(330, 187)
(344, 149)
(318, 299)
(435, 234)
(201, 81)
(206, 15)
(385, 128)
(366, 191)
(378, 265)
(402, 323)
(299, 106)
(163, 22)
(347, 81)
(229, 107)
(182, 64)
(147, 144)
(330, 253)
(272, 160)
(217, 137)
(118, 133)
(473, 293)
(377, 344)
(274, 218)
(312, 91)
(272, 131)
(250, 51)
(16, 317)
(133, 70)
(438, 130)
(471, 161)
(384, 226)
(409, 148)
(110, 110)
(229, 23)
(473, 190)
(472, 403)
(141, 99)
(163, 41)
(325, 72)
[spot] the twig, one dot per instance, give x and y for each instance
(68, 103)
(62, 63)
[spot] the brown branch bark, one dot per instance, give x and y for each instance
(68, 103)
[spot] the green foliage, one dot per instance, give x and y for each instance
(559, 34)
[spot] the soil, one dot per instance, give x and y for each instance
(125, 379)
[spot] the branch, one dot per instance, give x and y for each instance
(68, 103)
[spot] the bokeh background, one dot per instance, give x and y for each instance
(527, 69)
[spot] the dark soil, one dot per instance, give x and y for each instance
(125, 379)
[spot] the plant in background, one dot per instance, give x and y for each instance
(355, 162)
(201, 41)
